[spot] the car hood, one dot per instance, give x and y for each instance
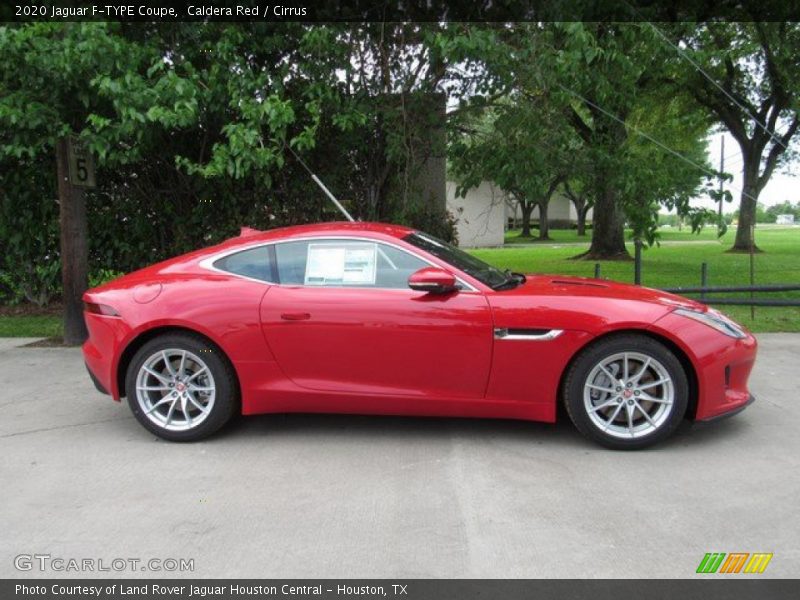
(582, 304)
(559, 285)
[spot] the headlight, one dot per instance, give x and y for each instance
(715, 320)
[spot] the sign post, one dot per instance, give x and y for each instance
(75, 171)
(81, 164)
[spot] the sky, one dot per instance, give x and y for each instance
(782, 185)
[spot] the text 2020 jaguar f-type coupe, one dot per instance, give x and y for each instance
(380, 319)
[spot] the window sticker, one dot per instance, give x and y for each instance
(340, 264)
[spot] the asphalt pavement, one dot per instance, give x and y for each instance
(351, 496)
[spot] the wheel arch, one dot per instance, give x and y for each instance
(145, 336)
(680, 354)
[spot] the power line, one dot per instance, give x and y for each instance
(640, 132)
(735, 157)
(735, 165)
(736, 161)
(712, 80)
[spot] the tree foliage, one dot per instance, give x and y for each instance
(747, 75)
(520, 145)
(670, 179)
(583, 103)
(190, 125)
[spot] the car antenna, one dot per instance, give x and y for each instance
(321, 185)
(335, 201)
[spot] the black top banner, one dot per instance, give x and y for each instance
(404, 10)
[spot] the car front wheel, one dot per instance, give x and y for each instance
(626, 392)
(180, 387)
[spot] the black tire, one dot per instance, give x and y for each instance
(582, 367)
(226, 394)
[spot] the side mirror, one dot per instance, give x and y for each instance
(432, 280)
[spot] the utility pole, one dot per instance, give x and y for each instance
(721, 178)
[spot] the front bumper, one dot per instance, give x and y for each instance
(722, 364)
(729, 413)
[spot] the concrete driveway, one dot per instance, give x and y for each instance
(341, 496)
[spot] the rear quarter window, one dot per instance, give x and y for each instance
(252, 263)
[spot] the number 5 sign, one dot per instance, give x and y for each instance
(81, 164)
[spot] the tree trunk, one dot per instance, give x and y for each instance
(608, 233)
(747, 210)
(74, 249)
(527, 210)
(544, 223)
(582, 211)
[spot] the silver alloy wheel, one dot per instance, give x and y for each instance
(175, 389)
(629, 395)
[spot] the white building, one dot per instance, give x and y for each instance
(485, 212)
(480, 215)
(784, 220)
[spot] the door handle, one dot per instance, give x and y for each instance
(295, 316)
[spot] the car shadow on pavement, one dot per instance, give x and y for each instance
(698, 434)
(375, 429)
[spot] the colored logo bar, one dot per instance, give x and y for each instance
(736, 562)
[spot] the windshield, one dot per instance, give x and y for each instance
(483, 272)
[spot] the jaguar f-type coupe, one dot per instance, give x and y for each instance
(370, 318)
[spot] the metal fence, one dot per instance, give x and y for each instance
(706, 292)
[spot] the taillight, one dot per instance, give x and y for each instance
(100, 309)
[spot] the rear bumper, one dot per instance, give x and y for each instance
(102, 349)
(729, 413)
(96, 381)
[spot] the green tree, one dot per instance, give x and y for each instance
(520, 145)
(672, 178)
(746, 76)
(45, 96)
(602, 77)
(603, 73)
(784, 208)
(575, 191)
(365, 93)
(577, 186)
(190, 125)
(762, 214)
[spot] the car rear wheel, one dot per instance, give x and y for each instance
(180, 387)
(626, 392)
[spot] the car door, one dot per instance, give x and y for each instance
(342, 318)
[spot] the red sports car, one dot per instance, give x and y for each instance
(380, 319)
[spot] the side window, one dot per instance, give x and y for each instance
(250, 263)
(336, 263)
(395, 266)
(291, 262)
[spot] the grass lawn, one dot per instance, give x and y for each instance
(671, 265)
(570, 236)
(675, 264)
(21, 325)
